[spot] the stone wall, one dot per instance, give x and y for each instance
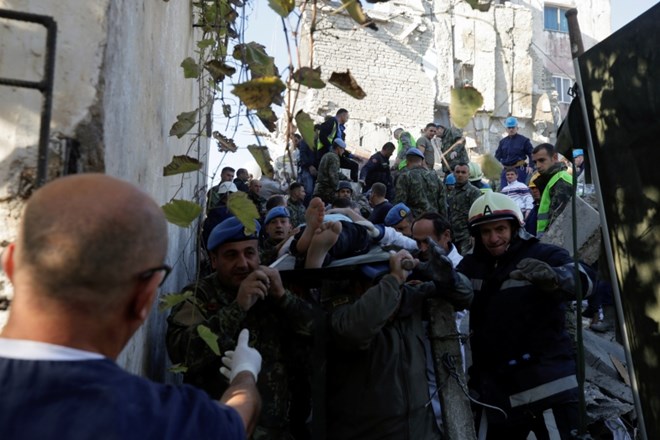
(423, 49)
(118, 88)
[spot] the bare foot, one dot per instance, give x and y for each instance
(313, 220)
(324, 238)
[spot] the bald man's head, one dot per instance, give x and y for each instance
(87, 238)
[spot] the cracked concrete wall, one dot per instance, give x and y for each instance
(423, 48)
(118, 88)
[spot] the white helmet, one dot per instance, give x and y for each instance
(492, 207)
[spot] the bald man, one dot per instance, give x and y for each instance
(85, 272)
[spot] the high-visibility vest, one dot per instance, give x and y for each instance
(413, 144)
(544, 207)
(331, 137)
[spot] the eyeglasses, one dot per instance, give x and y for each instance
(147, 274)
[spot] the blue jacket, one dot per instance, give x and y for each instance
(513, 149)
(522, 354)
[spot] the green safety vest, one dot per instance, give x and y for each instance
(544, 207)
(331, 138)
(413, 144)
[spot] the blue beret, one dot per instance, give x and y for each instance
(450, 179)
(397, 213)
(229, 231)
(578, 152)
(278, 211)
(339, 142)
(415, 152)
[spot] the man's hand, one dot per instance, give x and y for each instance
(242, 358)
(276, 289)
(253, 288)
(401, 264)
(438, 267)
(537, 272)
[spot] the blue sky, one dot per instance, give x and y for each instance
(264, 26)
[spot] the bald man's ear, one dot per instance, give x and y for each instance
(8, 261)
(143, 298)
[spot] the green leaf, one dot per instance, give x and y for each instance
(184, 122)
(224, 143)
(168, 301)
(244, 209)
(190, 68)
(180, 165)
(178, 368)
(181, 212)
(226, 110)
(203, 44)
(305, 126)
(218, 70)
(260, 92)
(267, 117)
(282, 7)
(347, 84)
(262, 156)
(309, 77)
(209, 337)
(465, 101)
(258, 61)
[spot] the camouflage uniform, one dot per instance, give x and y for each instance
(449, 137)
(268, 251)
(273, 324)
(296, 213)
(259, 202)
(422, 191)
(461, 200)
(328, 177)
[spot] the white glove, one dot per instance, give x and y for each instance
(243, 358)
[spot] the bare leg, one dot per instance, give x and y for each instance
(326, 236)
(313, 220)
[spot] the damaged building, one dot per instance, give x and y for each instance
(516, 54)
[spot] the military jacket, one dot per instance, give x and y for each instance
(328, 177)
(296, 213)
(451, 135)
(462, 198)
(273, 323)
(422, 191)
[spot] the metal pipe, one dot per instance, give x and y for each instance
(45, 85)
(576, 49)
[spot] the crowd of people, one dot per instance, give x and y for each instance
(318, 350)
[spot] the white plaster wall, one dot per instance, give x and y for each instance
(512, 60)
(118, 89)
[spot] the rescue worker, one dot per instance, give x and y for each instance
(452, 146)
(462, 197)
(277, 228)
(420, 189)
(405, 142)
(241, 293)
(555, 185)
(377, 169)
(522, 356)
(514, 150)
(329, 173)
(476, 177)
(400, 218)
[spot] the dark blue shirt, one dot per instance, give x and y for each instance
(514, 148)
(307, 156)
(95, 399)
